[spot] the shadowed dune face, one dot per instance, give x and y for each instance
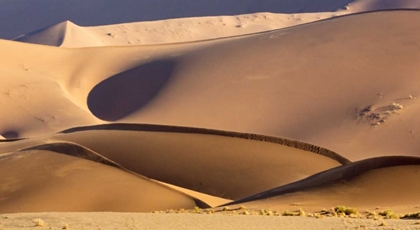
(10, 134)
(41, 181)
(308, 83)
(53, 36)
(348, 84)
(395, 187)
(120, 95)
(210, 164)
(376, 182)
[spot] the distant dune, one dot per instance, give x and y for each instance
(68, 34)
(22, 17)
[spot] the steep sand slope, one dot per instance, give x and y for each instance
(59, 34)
(222, 166)
(40, 181)
(373, 183)
(327, 83)
(20, 16)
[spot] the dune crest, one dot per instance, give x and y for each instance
(362, 184)
(22, 17)
(312, 106)
(65, 183)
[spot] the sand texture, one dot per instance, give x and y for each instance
(233, 116)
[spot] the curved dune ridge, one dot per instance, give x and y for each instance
(178, 129)
(40, 180)
(391, 181)
(256, 111)
(69, 35)
(191, 159)
(245, 84)
(22, 17)
(251, 82)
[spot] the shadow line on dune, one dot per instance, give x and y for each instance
(75, 150)
(124, 93)
(180, 129)
(328, 177)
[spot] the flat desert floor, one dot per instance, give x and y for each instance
(302, 117)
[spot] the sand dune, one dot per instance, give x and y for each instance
(40, 181)
(264, 110)
(210, 164)
(67, 34)
(249, 81)
(23, 17)
(378, 182)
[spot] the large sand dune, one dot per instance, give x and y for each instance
(68, 34)
(321, 83)
(310, 110)
(20, 17)
(211, 164)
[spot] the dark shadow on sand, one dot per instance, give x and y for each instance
(127, 92)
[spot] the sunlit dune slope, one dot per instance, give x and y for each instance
(20, 16)
(347, 84)
(45, 181)
(68, 34)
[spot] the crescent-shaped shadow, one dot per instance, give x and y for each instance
(126, 92)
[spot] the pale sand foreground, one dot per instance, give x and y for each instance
(108, 221)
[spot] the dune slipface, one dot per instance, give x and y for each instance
(321, 83)
(45, 181)
(263, 110)
(311, 82)
(222, 166)
(373, 183)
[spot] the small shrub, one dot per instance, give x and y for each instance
(39, 222)
(346, 210)
(412, 215)
(226, 208)
(382, 224)
(301, 212)
(246, 213)
(287, 213)
(389, 214)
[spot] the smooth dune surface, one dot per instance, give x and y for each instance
(68, 34)
(254, 108)
(39, 181)
(22, 17)
(249, 81)
(205, 163)
(369, 184)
